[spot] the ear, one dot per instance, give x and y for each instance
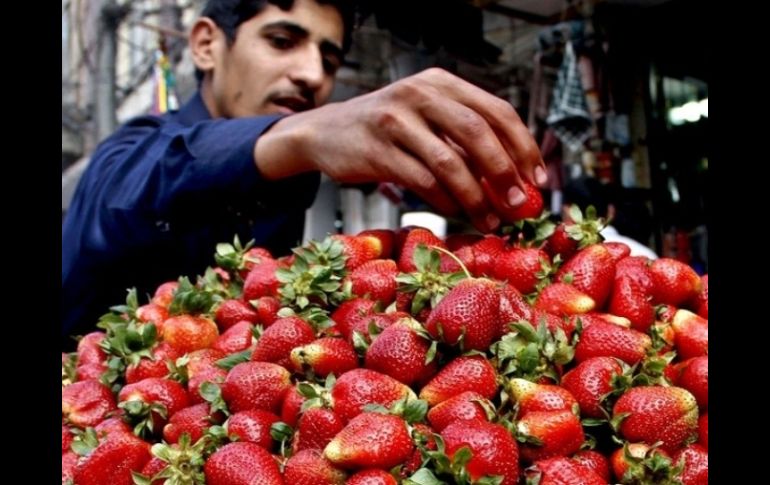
(204, 41)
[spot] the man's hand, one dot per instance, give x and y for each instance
(452, 143)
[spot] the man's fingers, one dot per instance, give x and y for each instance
(411, 173)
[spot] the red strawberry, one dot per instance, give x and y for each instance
(594, 460)
(164, 294)
(591, 271)
(560, 433)
(90, 372)
(90, 350)
(630, 301)
(324, 356)
(253, 426)
(110, 426)
(261, 281)
(237, 338)
(187, 332)
(703, 430)
(694, 376)
(291, 407)
(512, 308)
(152, 313)
(359, 249)
(255, 385)
(194, 420)
(531, 396)
(371, 440)
(150, 393)
(153, 467)
(421, 236)
(532, 206)
(520, 267)
(463, 407)
(560, 242)
(401, 351)
(372, 476)
(154, 367)
(242, 463)
(387, 239)
(230, 312)
(603, 339)
(279, 339)
(641, 463)
(455, 241)
(112, 461)
(459, 375)
(254, 257)
(69, 462)
(376, 279)
(696, 465)
(214, 375)
(66, 438)
(351, 311)
(701, 302)
(494, 451)
(590, 381)
(618, 250)
(309, 467)
(675, 282)
(380, 321)
(691, 334)
(563, 299)
(470, 311)
(485, 255)
(202, 360)
(316, 428)
(267, 310)
(655, 413)
(86, 403)
(356, 388)
(562, 471)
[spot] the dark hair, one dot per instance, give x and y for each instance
(230, 14)
(585, 191)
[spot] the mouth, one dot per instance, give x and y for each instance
(292, 104)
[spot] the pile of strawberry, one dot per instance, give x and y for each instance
(541, 356)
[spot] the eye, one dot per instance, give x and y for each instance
(331, 65)
(280, 41)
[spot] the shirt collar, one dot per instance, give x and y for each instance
(193, 111)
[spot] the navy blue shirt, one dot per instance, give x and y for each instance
(157, 197)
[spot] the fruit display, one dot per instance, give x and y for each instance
(538, 355)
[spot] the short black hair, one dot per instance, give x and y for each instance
(585, 191)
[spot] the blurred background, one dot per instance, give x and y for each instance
(642, 96)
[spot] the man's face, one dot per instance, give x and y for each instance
(280, 62)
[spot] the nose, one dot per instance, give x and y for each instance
(308, 70)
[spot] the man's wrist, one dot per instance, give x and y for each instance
(279, 153)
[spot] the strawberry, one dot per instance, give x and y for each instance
(230, 312)
(86, 403)
(559, 433)
(324, 356)
(253, 257)
(214, 375)
(561, 242)
(594, 460)
(630, 301)
(316, 428)
(371, 440)
(591, 270)
(291, 407)
(194, 420)
(91, 372)
(521, 267)
(375, 279)
(512, 308)
(695, 459)
(466, 406)
(110, 426)
(469, 311)
(618, 250)
(90, 350)
(261, 280)
(69, 462)
(237, 338)
(242, 463)
(459, 375)
(267, 310)
(582, 230)
(485, 254)
(531, 396)
(532, 206)
(638, 269)
(655, 413)
(112, 461)
(694, 376)
(703, 430)
(642, 463)
(356, 388)
(562, 471)
(675, 282)
(591, 381)
(277, 341)
(152, 313)
(152, 468)
(150, 402)
(358, 249)
(387, 239)
(700, 304)
(402, 351)
(187, 332)
(494, 451)
(691, 334)
(309, 467)
(350, 312)
(66, 438)
(164, 294)
(153, 367)
(603, 339)
(255, 385)
(202, 360)
(455, 241)
(563, 299)
(420, 236)
(372, 476)
(252, 426)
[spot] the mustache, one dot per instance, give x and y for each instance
(303, 99)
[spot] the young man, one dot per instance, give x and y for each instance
(244, 155)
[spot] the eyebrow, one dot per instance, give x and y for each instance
(327, 46)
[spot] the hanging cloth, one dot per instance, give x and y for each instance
(164, 93)
(569, 116)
